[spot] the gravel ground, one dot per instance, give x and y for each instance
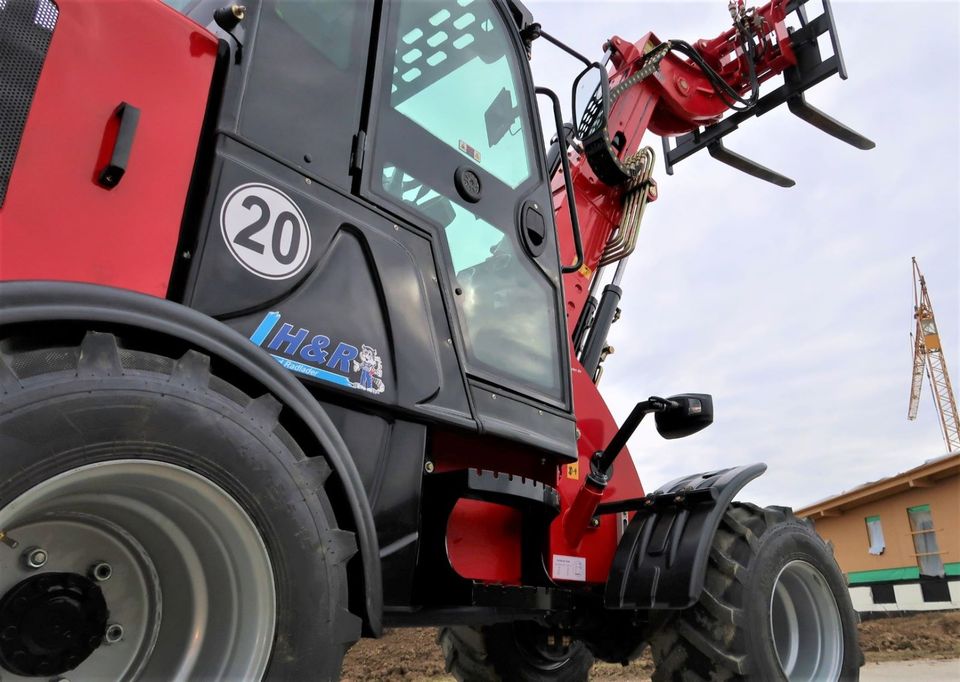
(917, 648)
(915, 671)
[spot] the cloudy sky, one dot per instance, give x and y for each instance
(793, 307)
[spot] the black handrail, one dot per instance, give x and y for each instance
(567, 181)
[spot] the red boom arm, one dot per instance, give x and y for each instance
(678, 99)
(652, 88)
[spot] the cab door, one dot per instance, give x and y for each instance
(454, 147)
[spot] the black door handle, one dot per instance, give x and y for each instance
(533, 229)
(128, 117)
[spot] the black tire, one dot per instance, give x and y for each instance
(67, 407)
(728, 634)
(511, 652)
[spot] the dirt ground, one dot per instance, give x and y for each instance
(413, 654)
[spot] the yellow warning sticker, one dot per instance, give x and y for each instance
(573, 471)
(585, 271)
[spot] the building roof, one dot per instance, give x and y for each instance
(922, 476)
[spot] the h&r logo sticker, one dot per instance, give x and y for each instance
(314, 358)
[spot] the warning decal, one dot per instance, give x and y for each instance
(569, 568)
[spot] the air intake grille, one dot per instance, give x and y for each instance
(26, 27)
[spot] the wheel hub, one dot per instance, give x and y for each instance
(806, 625)
(183, 568)
(50, 623)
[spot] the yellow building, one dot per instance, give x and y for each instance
(898, 539)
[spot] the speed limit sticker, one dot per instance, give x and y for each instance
(265, 231)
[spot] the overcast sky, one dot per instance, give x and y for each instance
(793, 307)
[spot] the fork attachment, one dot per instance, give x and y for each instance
(810, 69)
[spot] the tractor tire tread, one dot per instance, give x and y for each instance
(465, 654)
(103, 358)
(492, 653)
(708, 640)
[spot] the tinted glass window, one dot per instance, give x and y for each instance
(452, 99)
(302, 100)
(505, 305)
(455, 75)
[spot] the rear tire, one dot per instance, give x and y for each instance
(775, 607)
(511, 652)
(223, 548)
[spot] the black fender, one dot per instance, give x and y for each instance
(30, 302)
(661, 561)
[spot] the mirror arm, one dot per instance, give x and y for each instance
(566, 48)
(577, 517)
(602, 461)
(567, 181)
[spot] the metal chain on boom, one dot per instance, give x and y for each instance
(640, 188)
(602, 156)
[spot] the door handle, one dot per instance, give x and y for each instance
(128, 117)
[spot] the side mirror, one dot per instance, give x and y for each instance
(693, 412)
(591, 100)
(499, 117)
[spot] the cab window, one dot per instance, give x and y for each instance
(455, 75)
(505, 307)
(305, 85)
(452, 97)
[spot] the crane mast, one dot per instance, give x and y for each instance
(928, 353)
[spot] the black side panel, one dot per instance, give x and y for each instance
(661, 561)
(389, 456)
(26, 27)
(505, 415)
(362, 315)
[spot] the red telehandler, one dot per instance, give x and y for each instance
(300, 335)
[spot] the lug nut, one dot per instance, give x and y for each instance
(35, 558)
(114, 633)
(101, 571)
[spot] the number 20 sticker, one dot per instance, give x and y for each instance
(265, 231)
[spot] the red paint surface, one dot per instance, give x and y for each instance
(57, 223)
(677, 99)
(483, 541)
(597, 427)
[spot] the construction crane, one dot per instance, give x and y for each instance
(928, 352)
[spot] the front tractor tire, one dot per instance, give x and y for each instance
(775, 608)
(512, 652)
(160, 524)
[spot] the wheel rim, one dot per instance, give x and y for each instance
(531, 640)
(806, 625)
(189, 582)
